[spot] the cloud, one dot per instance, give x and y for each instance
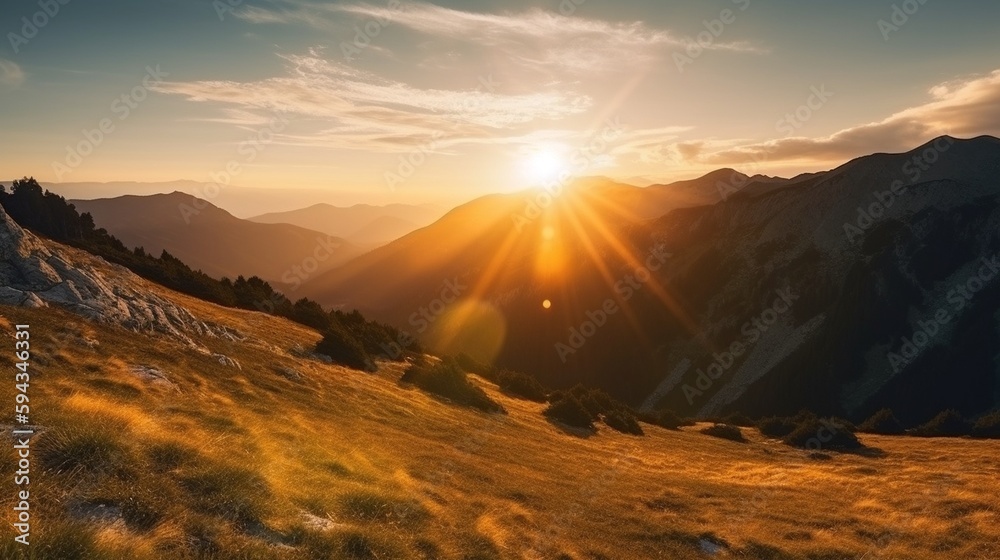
(535, 37)
(969, 107)
(11, 74)
(358, 110)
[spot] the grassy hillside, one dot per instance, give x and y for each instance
(288, 457)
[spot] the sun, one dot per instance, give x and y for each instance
(544, 164)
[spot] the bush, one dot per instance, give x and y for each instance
(738, 419)
(988, 426)
(570, 411)
(344, 349)
(883, 422)
(472, 365)
(827, 433)
(947, 424)
(521, 385)
(776, 427)
(623, 421)
(596, 401)
(665, 419)
(446, 379)
(725, 431)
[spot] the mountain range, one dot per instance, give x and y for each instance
(862, 253)
(210, 239)
(361, 224)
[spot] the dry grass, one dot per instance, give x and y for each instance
(224, 463)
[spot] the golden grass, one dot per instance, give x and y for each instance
(343, 464)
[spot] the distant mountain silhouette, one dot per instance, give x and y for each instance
(211, 239)
(860, 285)
(362, 224)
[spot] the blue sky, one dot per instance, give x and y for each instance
(483, 96)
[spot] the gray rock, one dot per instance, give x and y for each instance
(34, 273)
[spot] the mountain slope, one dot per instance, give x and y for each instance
(209, 238)
(148, 449)
(860, 285)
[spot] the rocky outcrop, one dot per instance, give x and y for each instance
(34, 273)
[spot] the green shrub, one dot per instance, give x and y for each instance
(883, 422)
(623, 421)
(446, 379)
(570, 411)
(725, 431)
(826, 433)
(776, 427)
(988, 426)
(946, 424)
(521, 385)
(344, 349)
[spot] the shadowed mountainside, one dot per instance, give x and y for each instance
(208, 238)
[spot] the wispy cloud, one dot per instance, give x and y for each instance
(967, 107)
(11, 74)
(534, 37)
(358, 110)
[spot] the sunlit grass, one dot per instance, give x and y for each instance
(223, 463)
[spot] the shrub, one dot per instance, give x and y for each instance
(521, 385)
(883, 422)
(988, 426)
(570, 411)
(827, 433)
(665, 419)
(446, 379)
(946, 424)
(776, 427)
(623, 421)
(472, 365)
(725, 431)
(738, 419)
(344, 349)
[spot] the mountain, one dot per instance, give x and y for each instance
(857, 285)
(208, 238)
(241, 201)
(502, 248)
(362, 224)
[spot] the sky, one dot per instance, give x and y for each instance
(412, 101)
